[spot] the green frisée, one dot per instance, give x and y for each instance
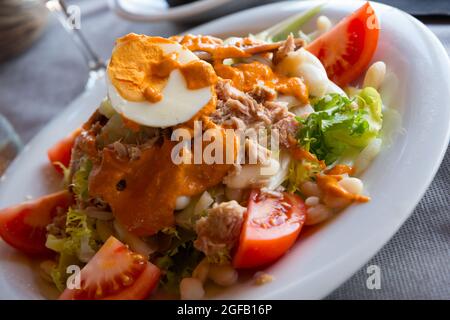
(339, 124)
(76, 244)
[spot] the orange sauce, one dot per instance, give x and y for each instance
(330, 187)
(212, 45)
(146, 203)
(246, 76)
(139, 69)
(152, 184)
(299, 153)
(198, 74)
(201, 115)
(340, 169)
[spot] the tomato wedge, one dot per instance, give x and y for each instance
(61, 152)
(24, 226)
(115, 273)
(271, 226)
(346, 50)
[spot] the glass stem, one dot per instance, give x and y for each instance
(95, 64)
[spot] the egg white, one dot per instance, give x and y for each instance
(179, 104)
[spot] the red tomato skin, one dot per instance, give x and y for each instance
(258, 246)
(258, 253)
(24, 226)
(362, 32)
(141, 289)
(61, 152)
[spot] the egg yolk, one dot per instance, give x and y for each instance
(139, 68)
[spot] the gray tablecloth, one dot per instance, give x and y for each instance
(34, 87)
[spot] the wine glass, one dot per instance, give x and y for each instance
(95, 64)
(10, 143)
(21, 24)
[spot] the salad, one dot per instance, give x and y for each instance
(207, 157)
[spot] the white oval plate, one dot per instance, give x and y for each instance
(323, 259)
(159, 10)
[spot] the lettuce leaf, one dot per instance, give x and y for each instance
(78, 247)
(66, 173)
(340, 124)
(301, 171)
(80, 180)
(178, 260)
(59, 273)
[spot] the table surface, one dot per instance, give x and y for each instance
(35, 86)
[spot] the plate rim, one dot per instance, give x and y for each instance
(168, 14)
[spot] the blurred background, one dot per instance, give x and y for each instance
(46, 60)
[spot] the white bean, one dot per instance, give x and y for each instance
(261, 278)
(182, 202)
(312, 201)
(223, 275)
(375, 75)
(305, 65)
(204, 202)
(323, 24)
(201, 270)
(310, 189)
(352, 185)
(334, 88)
(317, 214)
(191, 289)
(336, 202)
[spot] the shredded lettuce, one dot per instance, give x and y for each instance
(82, 238)
(171, 231)
(59, 273)
(80, 179)
(178, 260)
(301, 171)
(66, 173)
(340, 124)
(187, 217)
(78, 247)
(117, 130)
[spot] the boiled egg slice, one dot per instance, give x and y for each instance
(128, 73)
